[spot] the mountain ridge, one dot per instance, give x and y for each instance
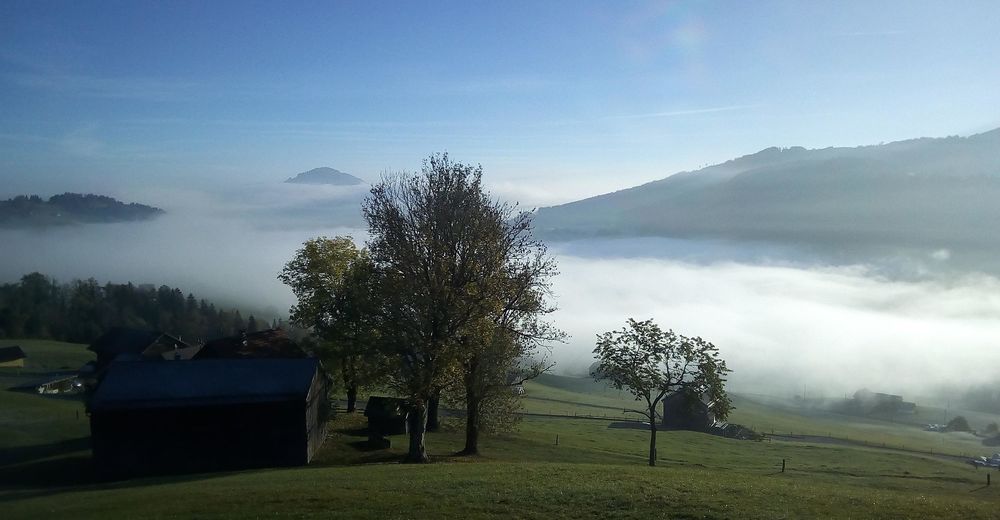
(840, 195)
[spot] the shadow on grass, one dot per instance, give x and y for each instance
(23, 454)
(75, 472)
(58, 471)
(44, 469)
(353, 432)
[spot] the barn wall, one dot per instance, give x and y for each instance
(17, 363)
(317, 413)
(195, 439)
(678, 414)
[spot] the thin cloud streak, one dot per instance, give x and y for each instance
(689, 112)
(147, 89)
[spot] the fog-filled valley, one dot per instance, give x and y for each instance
(498, 260)
(788, 317)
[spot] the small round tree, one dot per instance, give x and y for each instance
(651, 364)
(958, 424)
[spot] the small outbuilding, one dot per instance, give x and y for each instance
(386, 416)
(12, 356)
(685, 411)
(65, 383)
(207, 415)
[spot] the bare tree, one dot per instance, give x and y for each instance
(650, 364)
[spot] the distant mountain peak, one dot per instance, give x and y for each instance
(325, 175)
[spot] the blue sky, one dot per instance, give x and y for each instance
(557, 100)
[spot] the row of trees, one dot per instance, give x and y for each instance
(448, 299)
(38, 306)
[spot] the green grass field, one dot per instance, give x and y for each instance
(593, 471)
(45, 355)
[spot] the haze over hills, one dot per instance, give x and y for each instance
(325, 175)
(928, 192)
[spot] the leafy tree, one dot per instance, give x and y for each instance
(958, 424)
(334, 282)
(440, 244)
(651, 364)
(992, 428)
(497, 364)
(498, 355)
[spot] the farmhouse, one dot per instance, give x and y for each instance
(204, 415)
(122, 343)
(271, 343)
(12, 357)
(683, 411)
(865, 401)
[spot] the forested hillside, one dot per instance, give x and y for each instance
(79, 311)
(70, 208)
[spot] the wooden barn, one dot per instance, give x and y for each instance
(683, 411)
(12, 357)
(207, 415)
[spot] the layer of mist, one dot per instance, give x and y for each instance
(781, 328)
(784, 317)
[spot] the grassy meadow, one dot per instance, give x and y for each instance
(552, 467)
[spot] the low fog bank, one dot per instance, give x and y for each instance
(784, 317)
(231, 261)
(832, 330)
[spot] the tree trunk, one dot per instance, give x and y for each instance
(417, 424)
(652, 437)
(433, 423)
(471, 423)
(352, 398)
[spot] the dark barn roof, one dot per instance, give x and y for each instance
(271, 343)
(209, 382)
(120, 340)
(11, 354)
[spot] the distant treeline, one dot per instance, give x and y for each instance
(71, 208)
(39, 307)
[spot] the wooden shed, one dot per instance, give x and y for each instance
(12, 357)
(207, 415)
